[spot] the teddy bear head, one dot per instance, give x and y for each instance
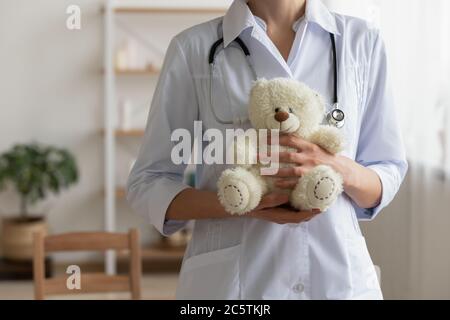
(287, 105)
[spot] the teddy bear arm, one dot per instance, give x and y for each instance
(328, 138)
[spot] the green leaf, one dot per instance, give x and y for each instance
(35, 170)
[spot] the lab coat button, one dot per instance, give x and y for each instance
(298, 288)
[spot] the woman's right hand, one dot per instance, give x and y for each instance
(192, 204)
(269, 209)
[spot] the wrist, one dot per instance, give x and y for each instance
(348, 169)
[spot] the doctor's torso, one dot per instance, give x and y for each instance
(252, 259)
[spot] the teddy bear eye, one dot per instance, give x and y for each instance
(277, 109)
(291, 111)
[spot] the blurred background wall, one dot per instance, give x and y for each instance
(410, 240)
(51, 92)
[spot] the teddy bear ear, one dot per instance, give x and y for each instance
(260, 83)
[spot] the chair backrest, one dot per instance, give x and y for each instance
(90, 282)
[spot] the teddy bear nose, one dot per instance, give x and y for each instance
(281, 116)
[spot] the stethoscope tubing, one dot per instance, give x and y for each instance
(335, 117)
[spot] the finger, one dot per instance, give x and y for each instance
(309, 219)
(266, 157)
(278, 157)
(290, 157)
(290, 172)
(294, 142)
(274, 214)
(273, 200)
(288, 184)
(302, 216)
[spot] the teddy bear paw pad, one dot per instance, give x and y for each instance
(235, 195)
(324, 189)
(323, 192)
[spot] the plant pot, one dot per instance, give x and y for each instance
(17, 237)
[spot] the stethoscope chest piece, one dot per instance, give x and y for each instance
(336, 117)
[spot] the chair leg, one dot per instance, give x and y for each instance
(38, 265)
(135, 264)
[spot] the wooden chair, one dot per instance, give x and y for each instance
(90, 282)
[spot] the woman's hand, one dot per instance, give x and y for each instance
(307, 156)
(361, 184)
(192, 204)
(269, 209)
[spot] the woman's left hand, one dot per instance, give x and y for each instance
(361, 184)
(307, 156)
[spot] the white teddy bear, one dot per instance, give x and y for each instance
(292, 108)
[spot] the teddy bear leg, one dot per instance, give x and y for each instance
(240, 190)
(317, 189)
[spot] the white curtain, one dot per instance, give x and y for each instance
(417, 36)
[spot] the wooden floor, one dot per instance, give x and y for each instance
(154, 287)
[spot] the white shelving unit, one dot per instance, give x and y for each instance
(110, 133)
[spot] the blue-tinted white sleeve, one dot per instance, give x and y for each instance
(155, 180)
(380, 146)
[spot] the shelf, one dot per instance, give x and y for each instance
(121, 193)
(127, 133)
(149, 72)
(130, 133)
(136, 72)
(174, 10)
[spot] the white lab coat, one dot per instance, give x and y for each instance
(245, 258)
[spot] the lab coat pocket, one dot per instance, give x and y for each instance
(365, 285)
(213, 275)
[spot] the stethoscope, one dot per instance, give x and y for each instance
(335, 117)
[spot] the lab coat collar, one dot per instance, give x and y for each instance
(239, 18)
(319, 14)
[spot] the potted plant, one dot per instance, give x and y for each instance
(33, 171)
